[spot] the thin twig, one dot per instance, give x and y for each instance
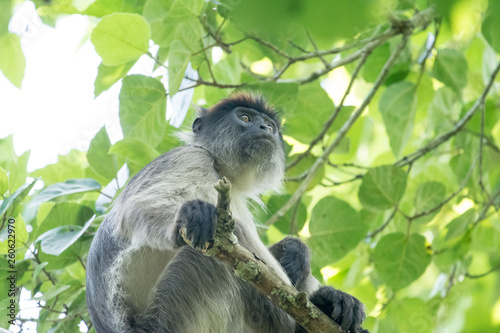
(471, 276)
(293, 221)
(428, 51)
(316, 50)
(444, 202)
(458, 126)
(484, 212)
(386, 223)
(487, 140)
(329, 122)
(343, 182)
(481, 147)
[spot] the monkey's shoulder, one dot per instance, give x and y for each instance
(191, 157)
(176, 165)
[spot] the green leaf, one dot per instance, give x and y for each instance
(376, 62)
(155, 11)
(70, 186)
(61, 261)
(18, 170)
(313, 108)
(335, 229)
(135, 151)
(382, 187)
(178, 59)
(491, 25)
(404, 314)
(491, 117)
(398, 105)
(303, 166)
(378, 58)
(120, 38)
(142, 109)
(283, 224)
(109, 75)
(97, 155)
(38, 269)
(56, 240)
(459, 224)
(61, 214)
(195, 6)
(180, 23)
(11, 202)
(7, 149)
(282, 95)
(443, 110)
(5, 14)
(68, 166)
(52, 292)
(485, 238)
(4, 181)
(101, 8)
(450, 67)
(12, 61)
(228, 70)
(428, 196)
(400, 260)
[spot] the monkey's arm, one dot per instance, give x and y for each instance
(147, 209)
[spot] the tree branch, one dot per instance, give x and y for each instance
(470, 276)
(250, 268)
(332, 118)
(340, 135)
(404, 27)
(458, 127)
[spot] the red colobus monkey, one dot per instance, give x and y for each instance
(141, 276)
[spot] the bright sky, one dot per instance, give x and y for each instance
(55, 110)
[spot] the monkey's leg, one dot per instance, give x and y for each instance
(294, 256)
(195, 293)
(262, 315)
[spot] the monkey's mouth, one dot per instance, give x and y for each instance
(264, 137)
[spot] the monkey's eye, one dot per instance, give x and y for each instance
(245, 118)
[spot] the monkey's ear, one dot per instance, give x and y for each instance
(200, 111)
(197, 125)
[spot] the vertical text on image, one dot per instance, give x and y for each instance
(11, 270)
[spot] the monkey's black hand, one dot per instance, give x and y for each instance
(343, 308)
(199, 219)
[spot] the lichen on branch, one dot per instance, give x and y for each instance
(246, 266)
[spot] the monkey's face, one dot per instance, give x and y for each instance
(259, 136)
(242, 136)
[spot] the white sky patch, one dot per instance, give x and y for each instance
(55, 110)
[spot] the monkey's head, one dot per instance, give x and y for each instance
(243, 132)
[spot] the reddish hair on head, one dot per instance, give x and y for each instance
(247, 100)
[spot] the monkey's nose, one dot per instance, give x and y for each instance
(266, 127)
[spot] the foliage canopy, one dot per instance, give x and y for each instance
(392, 124)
